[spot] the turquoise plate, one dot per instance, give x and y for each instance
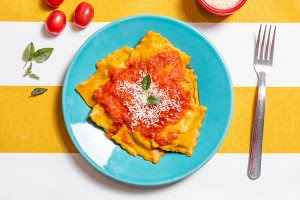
(215, 88)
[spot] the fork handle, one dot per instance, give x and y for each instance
(254, 166)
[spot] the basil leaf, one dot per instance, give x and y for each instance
(29, 51)
(28, 71)
(152, 100)
(42, 55)
(38, 91)
(34, 76)
(29, 68)
(32, 52)
(146, 82)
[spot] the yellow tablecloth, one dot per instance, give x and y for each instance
(185, 10)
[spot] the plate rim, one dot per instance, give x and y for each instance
(139, 183)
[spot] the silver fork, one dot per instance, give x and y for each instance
(263, 61)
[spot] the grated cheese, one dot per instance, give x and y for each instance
(222, 4)
(139, 110)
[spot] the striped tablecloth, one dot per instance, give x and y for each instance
(38, 159)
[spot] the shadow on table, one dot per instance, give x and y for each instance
(44, 6)
(110, 184)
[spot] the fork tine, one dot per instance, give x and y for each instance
(267, 46)
(257, 44)
(272, 46)
(262, 44)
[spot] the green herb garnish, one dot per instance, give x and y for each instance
(28, 70)
(29, 53)
(42, 55)
(152, 100)
(34, 76)
(30, 74)
(146, 82)
(38, 91)
(38, 56)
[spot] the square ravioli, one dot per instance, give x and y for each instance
(116, 60)
(154, 43)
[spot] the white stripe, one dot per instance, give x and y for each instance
(68, 176)
(15, 36)
(235, 41)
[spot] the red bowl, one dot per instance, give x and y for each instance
(221, 12)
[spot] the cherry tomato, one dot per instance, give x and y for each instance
(56, 22)
(54, 3)
(84, 14)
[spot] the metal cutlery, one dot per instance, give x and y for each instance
(263, 61)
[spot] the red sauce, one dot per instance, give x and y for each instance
(166, 71)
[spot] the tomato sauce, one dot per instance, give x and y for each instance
(124, 89)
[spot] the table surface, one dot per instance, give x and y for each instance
(38, 159)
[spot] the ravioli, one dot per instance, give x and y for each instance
(86, 89)
(100, 117)
(154, 43)
(135, 144)
(116, 60)
(117, 95)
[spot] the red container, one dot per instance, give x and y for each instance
(221, 12)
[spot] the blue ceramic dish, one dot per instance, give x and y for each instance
(216, 93)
